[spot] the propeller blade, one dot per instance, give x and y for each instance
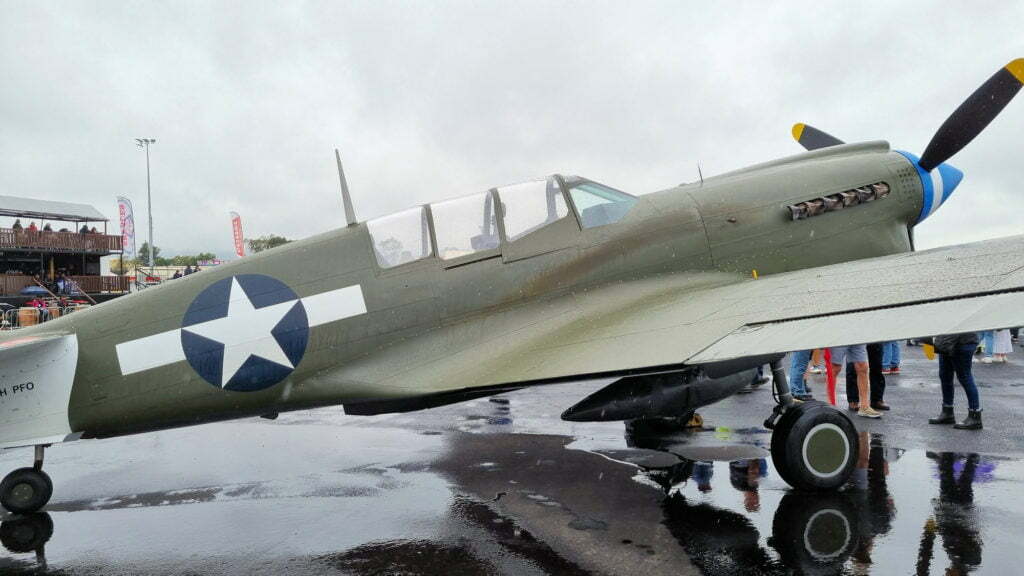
(974, 114)
(811, 138)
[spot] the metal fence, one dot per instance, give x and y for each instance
(12, 318)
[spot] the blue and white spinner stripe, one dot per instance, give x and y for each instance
(937, 185)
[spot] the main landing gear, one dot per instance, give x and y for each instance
(814, 446)
(27, 489)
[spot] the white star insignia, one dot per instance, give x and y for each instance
(245, 332)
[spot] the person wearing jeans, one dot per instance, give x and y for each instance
(797, 368)
(988, 339)
(891, 358)
(955, 353)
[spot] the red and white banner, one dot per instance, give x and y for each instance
(236, 228)
(127, 219)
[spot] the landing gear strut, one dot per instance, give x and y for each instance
(814, 446)
(27, 489)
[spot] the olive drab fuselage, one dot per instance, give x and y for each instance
(728, 226)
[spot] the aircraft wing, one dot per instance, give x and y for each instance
(966, 288)
(660, 323)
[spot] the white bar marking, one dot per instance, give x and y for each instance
(334, 305)
(150, 352)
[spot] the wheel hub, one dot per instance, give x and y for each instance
(22, 492)
(827, 535)
(825, 450)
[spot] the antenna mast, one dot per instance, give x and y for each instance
(350, 213)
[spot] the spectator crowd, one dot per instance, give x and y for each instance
(867, 365)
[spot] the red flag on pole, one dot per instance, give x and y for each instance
(236, 228)
(830, 377)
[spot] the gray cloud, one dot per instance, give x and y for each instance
(427, 101)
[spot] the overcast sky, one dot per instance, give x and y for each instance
(432, 100)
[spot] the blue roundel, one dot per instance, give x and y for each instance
(245, 333)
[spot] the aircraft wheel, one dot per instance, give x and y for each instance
(25, 490)
(814, 447)
(26, 533)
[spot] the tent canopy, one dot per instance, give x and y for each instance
(49, 210)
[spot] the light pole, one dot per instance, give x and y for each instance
(144, 143)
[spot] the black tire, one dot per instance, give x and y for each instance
(25, 490)
(815, 534)
(26, 533)
(814, 447)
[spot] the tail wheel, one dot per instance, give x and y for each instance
(814, 447)
(25, 490)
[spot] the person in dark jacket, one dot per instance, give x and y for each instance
(955, 353)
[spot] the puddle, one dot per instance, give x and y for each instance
(903, 512)
(480, 488)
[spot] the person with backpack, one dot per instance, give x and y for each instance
(955, 353)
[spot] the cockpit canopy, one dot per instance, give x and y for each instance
(461, 227)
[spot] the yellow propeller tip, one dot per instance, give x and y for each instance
(798, 131)
(1017, 69)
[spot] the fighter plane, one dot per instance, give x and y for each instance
(680, 294)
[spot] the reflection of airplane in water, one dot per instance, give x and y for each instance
(814, 533)
(527, 499)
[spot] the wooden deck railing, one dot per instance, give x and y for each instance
(11, 285)
(47, 241)
(100, 284)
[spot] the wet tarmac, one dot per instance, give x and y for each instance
(502, 486)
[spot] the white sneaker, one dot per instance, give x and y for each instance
(986, 360)
(815, 370)
(868, 412)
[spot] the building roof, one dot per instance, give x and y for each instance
(49, 210)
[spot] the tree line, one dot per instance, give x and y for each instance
(142, 258)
